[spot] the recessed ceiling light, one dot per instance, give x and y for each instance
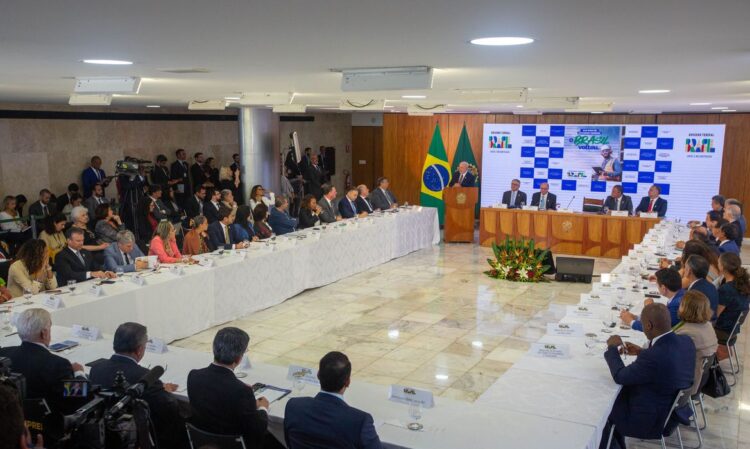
(414, 97)
(717, 108)
(107, 62)
(153, 106)
(699, 104)
(502, 41)
(729, 110)
(597, 112)
(654, 91)
(232, 98)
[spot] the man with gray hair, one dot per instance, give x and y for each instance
(221, 402)
(43, 370)
(733, 214)
(463, 177)
(279, 218)
(741, 220)
(129, 345)
(123, 254)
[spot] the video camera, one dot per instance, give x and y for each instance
(132, 166)
(15, 380)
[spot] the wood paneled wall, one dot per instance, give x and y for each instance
(406, 140)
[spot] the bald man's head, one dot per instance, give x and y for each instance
(656, 320)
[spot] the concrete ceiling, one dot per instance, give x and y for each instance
(599, 50)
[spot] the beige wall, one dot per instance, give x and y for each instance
(39, 153)
(331, 130)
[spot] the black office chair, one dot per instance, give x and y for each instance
(200, 439)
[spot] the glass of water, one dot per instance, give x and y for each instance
(590, 343)
(72, 287)
(415, 413)
(27, 294)
(5, 313)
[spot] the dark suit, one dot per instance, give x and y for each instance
(36, 209)
(160, 176)
(625, 204)
(381, 200)
(90, 177)
(737, 231)
(44, 372)
(468, 181)
(193, 207)
(328, 211)
(708, 289)
(551, 200)
(326, 421)
(363, 205)
(61, 201)
(306, 219)
(198, 175)
(520, 198)
(281, 222)
(660, 206)
(729, 247)
(69, 267)
(113, 258)
(180, 170)
(315, 177)
(217, 238)
(650, 385)
(225, 405)
(347, 209)
(165, 410)
(210, 211)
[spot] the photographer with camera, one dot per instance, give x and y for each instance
(129, 345)
(13, 431)
(44, 371)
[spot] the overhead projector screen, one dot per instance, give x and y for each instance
(684, 160)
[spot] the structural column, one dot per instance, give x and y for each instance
(258, 157)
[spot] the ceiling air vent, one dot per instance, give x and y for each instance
(186, 70)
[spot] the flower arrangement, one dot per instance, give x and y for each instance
(518, 261)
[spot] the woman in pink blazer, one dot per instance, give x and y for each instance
(164, 244)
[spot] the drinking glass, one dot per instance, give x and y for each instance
(5, 314)
(27, 294)
(72, 287)
(415, 413)
(590, 343)
(119, 271)
(298, 385)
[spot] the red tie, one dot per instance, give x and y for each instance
(651, 206)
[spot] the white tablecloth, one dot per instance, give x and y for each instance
(177, 306)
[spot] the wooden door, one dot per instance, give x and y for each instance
(367, 143)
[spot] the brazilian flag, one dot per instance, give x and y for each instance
(435, 175)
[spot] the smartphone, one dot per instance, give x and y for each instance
(63, 345)
(107, 281)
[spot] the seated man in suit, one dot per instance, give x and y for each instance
(348, 205)
(741, 220)
(327, 420)
(463, 177)
(221, 402)
(726, 234)
(514, 198)
(328, 212)
(63, 200)
(733, 213)
(97, 197)
(44, 371)
(651, 383)
(694, 277)
(543, 199)
(382, 198)
(219, 233)
(669, 283)
(129, 345)
(194, 205)
(652, 202)
(74, 263)
(211, 207)
(122, 254)
(43, 207)
(279, 218)
(363, 204)
(617, 201)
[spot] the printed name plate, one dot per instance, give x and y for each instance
(54, 302)
(565, 329)
(306, 375)
(156, 345)
(550, 350)
(86, 332)
(411, 395)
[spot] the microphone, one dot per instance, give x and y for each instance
(570, 202)
(148, 380)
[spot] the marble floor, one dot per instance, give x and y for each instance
(432, 319)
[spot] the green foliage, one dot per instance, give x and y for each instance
(518, 261)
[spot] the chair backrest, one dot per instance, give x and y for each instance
(705, 371)
(680, 399)
(592, 204)
(736, 328)
(200, 439)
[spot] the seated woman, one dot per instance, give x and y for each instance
(80, 216)
(242, 228)
(260, 216)
(196, 240)
(695, 322)
(256, 197)
(31, 271)
(308, 213)
(14, 232)
(699, 248)
(107, 223)
(53, 234)
(164, 244)
(75, 201)
(733, 299)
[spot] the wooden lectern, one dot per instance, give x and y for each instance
(460, 203)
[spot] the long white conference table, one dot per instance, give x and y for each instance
(177, 305)
(539, 402)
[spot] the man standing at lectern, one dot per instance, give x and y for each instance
(463, 177)
(514, 198)
(543, 199)
(617, 201)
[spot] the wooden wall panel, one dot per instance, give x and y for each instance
(363, 149)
